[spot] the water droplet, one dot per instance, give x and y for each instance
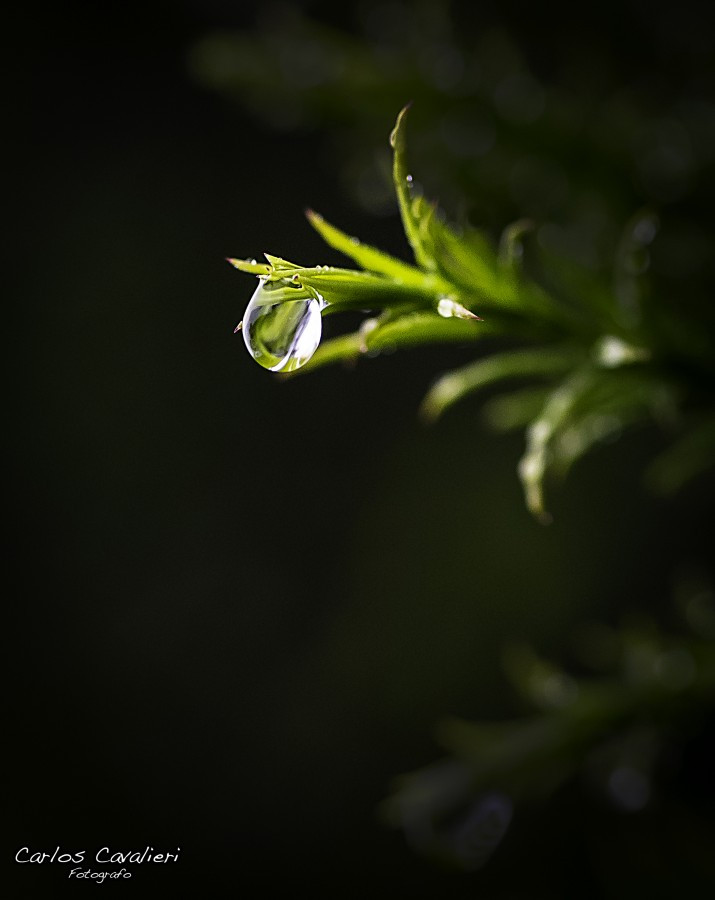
(282, 325)
(612, 352)
(448, 308)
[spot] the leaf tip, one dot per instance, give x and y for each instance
(315, 219)
(443, 393)
(428, 413)
(396, 132)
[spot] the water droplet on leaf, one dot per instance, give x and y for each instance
(448, 308)
(282, 325)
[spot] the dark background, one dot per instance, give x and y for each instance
(238, 606)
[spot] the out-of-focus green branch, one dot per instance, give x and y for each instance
(610, 729)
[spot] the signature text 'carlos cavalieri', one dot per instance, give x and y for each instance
(103, 856)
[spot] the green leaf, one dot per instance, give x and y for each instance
(403, 188)
(346, 349)
(593, 404)
(427, 328)
(539, 681)
(364, 255)
(459, 383)
(467, 260)
(556, 413)
(406, 330)
(347, 289)
(250, 266)
(511, 248)
(510, 752)
(613, 403)
(279, 263)
(586, 300)
(508, 412)
(691, 455)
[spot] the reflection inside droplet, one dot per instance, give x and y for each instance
(282, 325)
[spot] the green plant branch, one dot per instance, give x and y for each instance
(601, 364)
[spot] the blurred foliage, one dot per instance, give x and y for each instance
(643, 692)
(496, 139)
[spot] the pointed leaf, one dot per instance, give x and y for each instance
(515, 410)
(349, 289)
(407, 330)
(511, 249)
(403, 187)
(345, 349)
(279, 263)
(364, 255)
(459, 383)
(250, 266)
(558, 408)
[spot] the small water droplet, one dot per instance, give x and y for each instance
(282, 325)
(448, 308)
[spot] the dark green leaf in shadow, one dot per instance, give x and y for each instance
(688, 457)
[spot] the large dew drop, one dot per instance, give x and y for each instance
(282, 325)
